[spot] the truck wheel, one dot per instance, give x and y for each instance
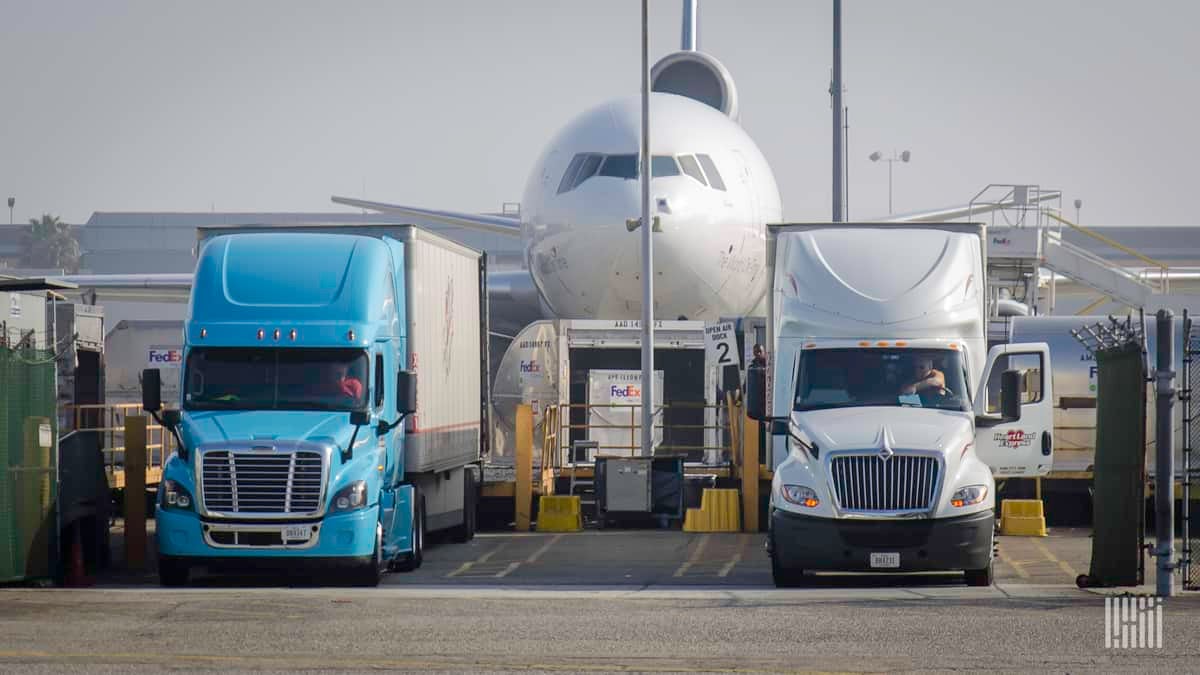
(983, 577)
(784, 577)
(172, 572)
(371, 573)
(465, 532)
(409, 562)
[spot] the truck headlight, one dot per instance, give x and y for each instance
(175, 496)
(351, 497)
(800, 495)
(969, 495)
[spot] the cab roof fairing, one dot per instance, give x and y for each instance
(322, 285)
(879, 284)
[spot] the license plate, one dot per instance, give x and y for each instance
(885, 560)
(297, 532)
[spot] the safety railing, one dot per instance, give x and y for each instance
(712, 429)
(1157, 274)
(109, 422)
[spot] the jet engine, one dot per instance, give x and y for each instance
(697, 76)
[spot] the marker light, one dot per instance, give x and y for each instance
(261, 333)
(276, 335)
(292, 335)
(800, 495)
(969, 495)
(350, 335)
(203, 333)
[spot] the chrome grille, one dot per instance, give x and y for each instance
(262, 482)
(899, 483)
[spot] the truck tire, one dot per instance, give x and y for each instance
(408, 562)
(369, 574)
(465, 532)
(784, 577)
(172, 572)
(983, 577)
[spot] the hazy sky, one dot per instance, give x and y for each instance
(273, 105)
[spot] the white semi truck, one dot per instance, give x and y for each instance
(889, 417)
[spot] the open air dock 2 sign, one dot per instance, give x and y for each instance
(720, 345)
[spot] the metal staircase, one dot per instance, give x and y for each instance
(1028, 238)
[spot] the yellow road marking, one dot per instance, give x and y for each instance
(1017, 566)
(545, 547)
(695, 557)
(481, 560)
(1062, 564)
(508, 570)
(737, 558)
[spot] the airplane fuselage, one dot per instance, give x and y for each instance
(712, 192)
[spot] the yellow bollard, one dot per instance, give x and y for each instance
(135, 492)
(749, 473)
(524, 464)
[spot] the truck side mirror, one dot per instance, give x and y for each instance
(1010, 395)
(756, 392)
(406, 392)
(151, 390)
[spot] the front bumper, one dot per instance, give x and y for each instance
(943, 544)
(343, 535)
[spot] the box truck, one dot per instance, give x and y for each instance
(888, 415)
(330, 404)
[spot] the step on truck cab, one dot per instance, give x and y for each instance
(304, 438)
(888, 416)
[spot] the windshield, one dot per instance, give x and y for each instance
(235, 378)
(846, 378)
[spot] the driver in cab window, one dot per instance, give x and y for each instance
(926, 379)
(345, 383)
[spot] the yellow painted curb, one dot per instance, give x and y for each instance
(559, 513)
(1022, 518)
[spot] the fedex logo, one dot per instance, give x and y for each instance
(530, 366)
(628, 391)
(166, 357)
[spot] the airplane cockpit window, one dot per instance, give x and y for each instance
(588, 169)
(663, 165)
(691, 168)
(710, 169)
(568, 179)
(620, 166)
(588, 164)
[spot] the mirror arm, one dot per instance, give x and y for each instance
(385, 426)
(348, 451)
(182, 449)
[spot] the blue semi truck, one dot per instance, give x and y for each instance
(332, 400)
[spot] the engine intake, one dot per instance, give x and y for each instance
(697, 76)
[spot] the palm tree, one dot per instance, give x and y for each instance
(50, 243)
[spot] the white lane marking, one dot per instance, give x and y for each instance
(695, 557)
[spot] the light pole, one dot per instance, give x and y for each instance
(1078, 205)
(11, 202)
(902, 157)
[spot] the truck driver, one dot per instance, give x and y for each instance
(926, 379)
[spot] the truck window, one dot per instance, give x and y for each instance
(847, 378)
(1031, 369)
(236, 378)
(380, 383)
